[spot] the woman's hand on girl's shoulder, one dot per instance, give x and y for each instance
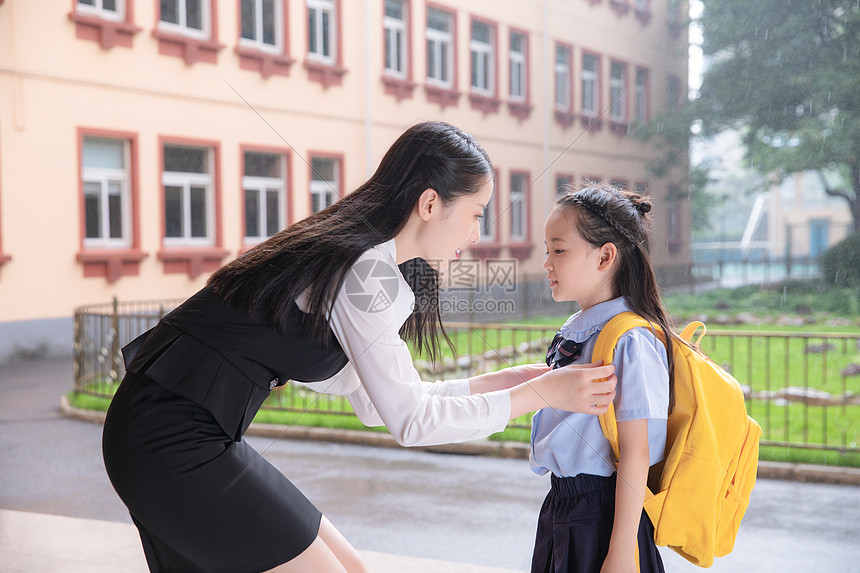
(585, 388)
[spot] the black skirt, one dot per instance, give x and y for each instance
(201, 501)
(575, 525)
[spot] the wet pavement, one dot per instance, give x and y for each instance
(452, 508)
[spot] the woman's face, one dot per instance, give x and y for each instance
(457, 226)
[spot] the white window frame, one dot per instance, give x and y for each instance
(435, 40)
(518, 208)
(99, 11)
(617, 96)
(103, 176)
(326, 190)
(182, 27)
(185, 181)
(641, 96)
(257, 43)
(519, 69)
(396, 36)
(260, 186)
(563, 75)
(317, 52)
(483, 58)
(591, 86)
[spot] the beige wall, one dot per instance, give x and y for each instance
(53, 84)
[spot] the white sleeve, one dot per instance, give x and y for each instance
(392, 393)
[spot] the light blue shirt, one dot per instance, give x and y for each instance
(568, 443)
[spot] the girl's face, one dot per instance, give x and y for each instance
(455, 227)
(575, 269)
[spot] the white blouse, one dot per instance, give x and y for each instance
(380, 381)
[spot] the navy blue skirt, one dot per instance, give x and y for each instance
(575, 525)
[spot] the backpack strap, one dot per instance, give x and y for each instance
(604, 349)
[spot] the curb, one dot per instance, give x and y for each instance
(807, 473)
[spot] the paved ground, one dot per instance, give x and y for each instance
(476, 512)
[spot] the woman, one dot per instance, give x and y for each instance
(293, 308)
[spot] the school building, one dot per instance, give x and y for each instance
(144, 143)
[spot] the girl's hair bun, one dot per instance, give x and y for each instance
(642, 205)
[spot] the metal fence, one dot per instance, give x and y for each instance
(804, 389)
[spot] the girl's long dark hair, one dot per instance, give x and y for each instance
(317, 252)
(605, 214)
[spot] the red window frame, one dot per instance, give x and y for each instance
(108, 33)
(486, 104)
(192, 260)
(328, 74)
(592, 122)
(192, 50)
(435, 94)
(289, 216)
(340, 174)
(564, 117)
(521, 249)
(620, 126)
(400, 88)
(267, 63)
(106, 262)
(521, 109)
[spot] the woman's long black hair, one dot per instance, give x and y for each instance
(605, 214)
(318, 251)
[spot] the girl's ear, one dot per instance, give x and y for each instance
(608, 256)
(428, 204)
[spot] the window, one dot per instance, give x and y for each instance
(325, 182)
(263, 25)
(562, 183)
(590, 85)
(483, 58)
(321, 30)
(264, 186)
(440, 53)
(186, 17)
(617, 92)
(563, 76)
(105, 9)
(673, 92)
(488, 221)
(519, 207)
(641, 111)
(107, 190)
(518, 71)
(188, 196)
(396, 53)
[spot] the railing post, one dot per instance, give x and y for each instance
(114, 345)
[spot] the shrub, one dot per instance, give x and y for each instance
(840, 264)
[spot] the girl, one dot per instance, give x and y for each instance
(592, 518)
(293, 308)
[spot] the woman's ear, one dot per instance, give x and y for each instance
(608, 256)
(429, 203)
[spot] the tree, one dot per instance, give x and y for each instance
(786, 73)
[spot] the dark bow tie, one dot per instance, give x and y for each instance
(562, 351)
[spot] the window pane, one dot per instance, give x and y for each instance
(480, 32)
(431, 60)
(104, 153)
(312, 31)
(198, 211)
(109, 5)
(273, 209)
(438, 20)
(115, 210)
(589, 63)
(186, 160)
(394, 9)
(249, 19)
(561, 55)
(262, 164)
(389, 65)
(252, 213)
(269, 23)
(316, 199)
(516, 42)
(92, 209)
(87, 2)
(326, 34)
(475, 74)
(323, 169)
(170, 11)
(173, 211)
(444, 73)
(194, 14)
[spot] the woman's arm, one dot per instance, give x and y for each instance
(629, 496)
(505, 378)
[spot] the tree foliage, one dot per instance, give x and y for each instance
(786, 74)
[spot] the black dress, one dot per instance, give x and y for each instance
(203, 499)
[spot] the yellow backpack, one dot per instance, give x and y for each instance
(699, 493)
